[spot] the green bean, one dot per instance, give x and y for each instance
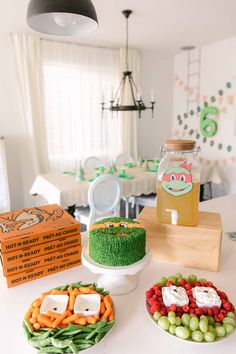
(40, 343)
(42, 336)
(84, 341)
(83, 346)
(82, 335)
(69, 333)
(29, 326)
(73, 348)
(61, 343)
(64, 287)
(26, 332)
(50, 350)
(90, 335)
(99, 337)
(104, 329)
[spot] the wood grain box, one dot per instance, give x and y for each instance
(31, 226)
(192, 246)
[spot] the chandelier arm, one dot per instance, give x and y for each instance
(118, 90)
(122, 90)
(131, 83)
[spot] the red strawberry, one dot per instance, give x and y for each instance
(193, 305)
(216, 310)
(227, 306)
(189, 292)
(163, 311)
(155, 307)
(198, 311)
(188, 286)
(169, 283)
(151, 301)
(158, 292)
(182, 282)
(149, 293)
(210, 312)
(191, 311)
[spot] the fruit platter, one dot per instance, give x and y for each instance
(191, 309)
(69, 319)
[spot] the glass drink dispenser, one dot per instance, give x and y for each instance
(178, 183)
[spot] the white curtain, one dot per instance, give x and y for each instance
(129, 141)
(27, 53)
(75, 79)
(4, 189)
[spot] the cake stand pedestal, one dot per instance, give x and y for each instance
(118, 280)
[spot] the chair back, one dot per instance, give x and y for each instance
(92, 162)
(123, 159)
(104, 197)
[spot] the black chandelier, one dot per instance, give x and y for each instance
(127, 83)
(62, 17)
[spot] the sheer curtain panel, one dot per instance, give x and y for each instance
(4, 189)
(75, 79)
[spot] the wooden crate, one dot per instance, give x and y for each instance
(192, 246)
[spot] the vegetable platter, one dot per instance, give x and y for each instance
(68, 332)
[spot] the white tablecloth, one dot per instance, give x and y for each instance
(134, 332)
(64, 190)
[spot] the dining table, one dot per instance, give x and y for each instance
(67, 189)
(134, 331)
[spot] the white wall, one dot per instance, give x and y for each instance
(156, 74)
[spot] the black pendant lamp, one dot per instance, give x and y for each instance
(62, 17)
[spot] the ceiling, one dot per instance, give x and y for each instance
(162, 26)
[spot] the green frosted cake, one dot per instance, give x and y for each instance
(117, 241)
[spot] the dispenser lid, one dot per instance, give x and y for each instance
(179, 145)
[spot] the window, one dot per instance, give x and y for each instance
(75, 79)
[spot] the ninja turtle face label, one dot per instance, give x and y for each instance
(177, 180)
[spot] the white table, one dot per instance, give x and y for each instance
(64, 190)
(134, 332)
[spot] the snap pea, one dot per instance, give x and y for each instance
(69, 333)
(91, 334)
(64, 287)
(81, 336)
(40, 343)
(61, 343)
(73, 348)
(42, 336)
(83, 346)
(83, 341)
(50, 349)
(99, 337)
(38, 333)
(26, 332)
(98, 324)
(29, 326)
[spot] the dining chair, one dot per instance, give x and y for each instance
(104, 197)
(144, 200)
(123, 159)
(92, 162)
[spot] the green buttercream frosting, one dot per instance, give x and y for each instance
(117, 245)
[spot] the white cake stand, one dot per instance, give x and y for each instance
(118, 280)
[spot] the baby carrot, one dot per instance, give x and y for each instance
(84, 289)
(42, 296)
(109, 298)
(71, 301)
(111, 316)
(33, 320)
(107, 302)
(76, 292)
(45, 320)
(35, 312)
(102, 308)
(59, 320)
(28, 313)
(59, 292)
(81, 321)
(52, 314)
(69, 289)
(91, 319)
(70, 319)
(37, 303)
(106, 313)
(36, 325)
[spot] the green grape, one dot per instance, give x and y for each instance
(156, 315)
(231, 314)
(173, 279)
(185, 319)
(228, 328)
(172, 328)
(209, 337)
(172, 320)
(194, 323)
(182, 332)
(229, 320)
(217, 324)
(197, 336)
(178, 321)
(164, 323)
(212, 330)
(202, 280)
(163, 281)
(171, 314)
(192, 315)
(192, 277)
(220, 331)
(204, 318)
(178, 276)
(203, 326)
